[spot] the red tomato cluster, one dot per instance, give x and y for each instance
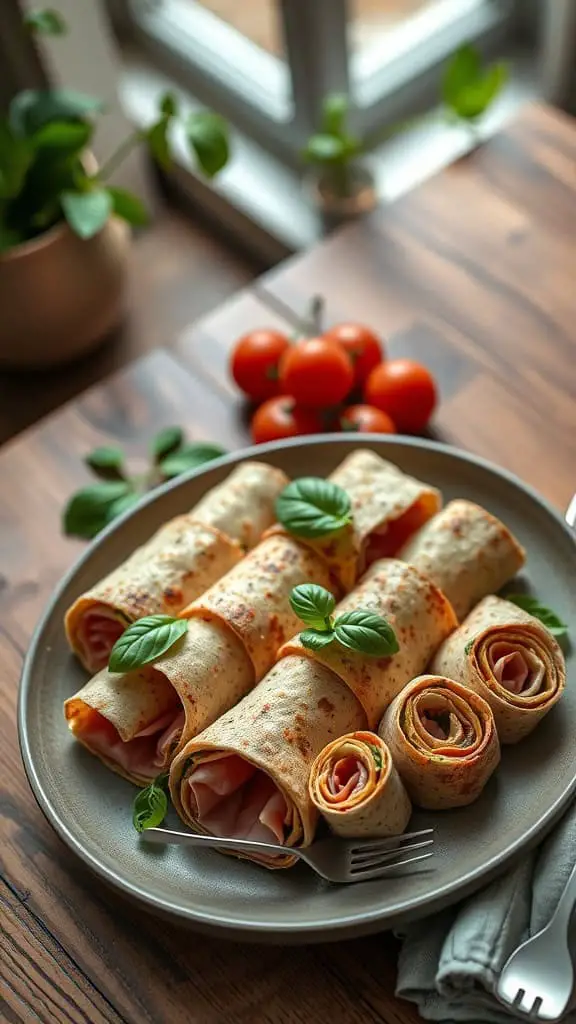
(304, 385)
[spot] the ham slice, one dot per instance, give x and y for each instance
(144, 756)
(232, 798)
(347, 777)
(518, 670)
(98, 631)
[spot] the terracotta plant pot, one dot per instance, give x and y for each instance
(60, 295)
(339, 201)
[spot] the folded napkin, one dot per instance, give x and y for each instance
(449, 963)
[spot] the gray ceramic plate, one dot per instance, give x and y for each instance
(90, 807)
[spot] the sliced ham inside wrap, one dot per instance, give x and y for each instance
(246, 776)
(422, 617)
(511, 660)
(388, 506)
(467, 552)
(356, 788)
(233, 635)
(178, 563)
(443, 741)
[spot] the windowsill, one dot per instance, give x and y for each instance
(261, 202)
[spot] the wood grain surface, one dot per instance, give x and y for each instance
(470, 273)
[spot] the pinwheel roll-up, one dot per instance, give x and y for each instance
(253, 598)
(443, 741)
(246, 776)
(356, 788)
(136, 721)
(177, 564)
(387, 506)
(511, 660)
(467, 552)
(421, 618)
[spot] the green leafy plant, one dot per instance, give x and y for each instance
(44, 174)
(360, 630)
(312, 507)
(151, 804)
(333, 149)
(94, 507)
(144, 641)
(545, 615)
(469, 88)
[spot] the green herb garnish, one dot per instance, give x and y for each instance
(312, 507)
(360, 630)
(144, 641)
(545, 615)
(151, 804)
(469, 645)
(376, 754)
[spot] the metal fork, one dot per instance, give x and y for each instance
(337, 860)
(538, 978)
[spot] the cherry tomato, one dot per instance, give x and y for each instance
(366, 420)
(316, 372)
(362, 345)
(405, 390)
(255, 360)
(281, 417)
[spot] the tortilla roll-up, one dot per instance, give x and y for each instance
(135, 722)
(246, 776)
(421, 616)
(387, 507)
(511, 660)
(443, 741)
(177, 564)
(356, 788)
(253, 598)
(467, 552)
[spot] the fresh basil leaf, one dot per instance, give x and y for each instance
(167, 441)
(87, 212)
(151, 804)
(16, 156)
(64, 136)
(46, 22)
(316, 639)
(168, 104)
(189, 457)
(376, 754)
(312, 507)
(364, 631)
(207, 135)
(144, 641)
(461, 71)
(106, 463)
(123, 504)
(158, 144)
(32, 109)
(92, 508)
(127, 206)
(545, 615)
(324, 148)
(334, 113)
(313, 604)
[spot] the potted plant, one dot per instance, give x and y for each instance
(342, 183)
(63, 227)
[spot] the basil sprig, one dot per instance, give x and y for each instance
(360, 630)
(144, 641)
(151, 804)
(312, 507)
(376, 754)
(540, 611)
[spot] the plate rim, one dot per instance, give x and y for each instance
(247, 929)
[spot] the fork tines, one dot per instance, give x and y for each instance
(375, 855)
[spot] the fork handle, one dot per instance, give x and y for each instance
(563, 913)
(167, 835)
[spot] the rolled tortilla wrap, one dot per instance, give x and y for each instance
(511, 660)
(467, 552)
(253, 598)
(135, 722)
(356, 788)
(246, 776)
(177, 564)
(422, 617)
(387, 507)
(443, 741)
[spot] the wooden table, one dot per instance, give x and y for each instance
(473, 273)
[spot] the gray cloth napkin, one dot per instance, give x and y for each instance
(449, 963)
